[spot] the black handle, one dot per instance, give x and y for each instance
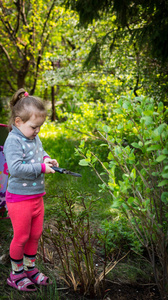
(64, 171)
(57, 169)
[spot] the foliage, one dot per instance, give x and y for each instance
(63, 48)
(120, 54)
(137, 145)
(63, 189)
(118, 235)
(81, 77)
(73, 237)
(26, 31)
(140, 17)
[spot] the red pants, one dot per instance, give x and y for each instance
(27, 221)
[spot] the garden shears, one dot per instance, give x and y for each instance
(64, 171)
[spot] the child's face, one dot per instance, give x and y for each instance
(30, 128)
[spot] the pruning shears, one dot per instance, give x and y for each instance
(64, 171)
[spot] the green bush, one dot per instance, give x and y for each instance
(138, 147)
(73, 239)
(119, 236)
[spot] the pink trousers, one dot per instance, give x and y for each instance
(27, 221)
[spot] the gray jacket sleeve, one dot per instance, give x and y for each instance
(44, 152)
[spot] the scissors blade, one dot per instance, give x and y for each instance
(72, 173)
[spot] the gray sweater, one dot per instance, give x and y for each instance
(24, 158)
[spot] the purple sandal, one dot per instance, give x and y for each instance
(38, 278)
(21, 282)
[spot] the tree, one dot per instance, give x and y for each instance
(26, 28)
(146, 20)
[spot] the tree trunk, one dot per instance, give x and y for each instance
(20, 80)
(53, 115)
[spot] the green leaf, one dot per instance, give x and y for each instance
(83, 162)
(94, 159)
(120, 126)
(154, 147)
(164, 175)
(161, 128)
(126, 105)
(160, 158)
(82, 144)
(164, 197)
(165, 151)
(163, 183)
(116, 204)
(147, 119)
(88, 154)
(130, 200)
(118, 111)
(110, 156)
(106, 129)
(136, 145)
(147, 143)
(125, 206)
(160, 107)
(133, 174)
(155, 173)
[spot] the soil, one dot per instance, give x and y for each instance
(117, 291)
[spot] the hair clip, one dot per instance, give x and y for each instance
(26, 94)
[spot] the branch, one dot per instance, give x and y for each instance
(47, 18)
(43, 44)
(23, 14)
(6, 24)
(8, 58)
(11, 32)
(18, 4)
(10, 85)
(35, 77)
(81, 132)
(97, 173)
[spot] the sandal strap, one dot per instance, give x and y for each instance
(31, 273)
(25, 282)
(17, 277)
(40, 278)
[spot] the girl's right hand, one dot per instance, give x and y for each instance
(48, 168)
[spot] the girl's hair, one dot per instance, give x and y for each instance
(24, 106)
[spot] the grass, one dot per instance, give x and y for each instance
(63, 149)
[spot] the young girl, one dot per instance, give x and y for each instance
(27, 162)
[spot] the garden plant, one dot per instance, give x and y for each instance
(138, 146)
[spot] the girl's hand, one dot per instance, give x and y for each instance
(49, 163)
(48, 169)
(54, 163)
